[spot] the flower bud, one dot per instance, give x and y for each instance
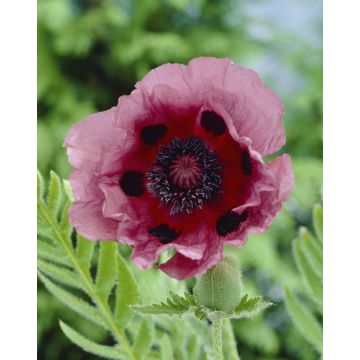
(220, 288)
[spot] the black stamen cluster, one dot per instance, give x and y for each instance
(178, 199)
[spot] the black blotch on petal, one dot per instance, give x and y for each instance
(229, 222)
(246, 163)
(164, 233)
(213, 123)
(151, 134)
(131, 182)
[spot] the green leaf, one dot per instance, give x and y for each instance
(40, 187)
(193, 347)
(312, 281)
(51, 253)
(318, 221)
(42, 226)
(107, 352)
(249, 307)
(65, 226)
(84, 252)
(54, 194)
(166, 348)
(61, 274)
(68, 190)
(311, 250)
(78, 305)
(304, 320)
(106, 269)
(258, 334)
(126, 292)
(174, 305)
(143, 340)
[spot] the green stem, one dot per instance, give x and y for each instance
(229, 341)
(102, 306)
(217, 339)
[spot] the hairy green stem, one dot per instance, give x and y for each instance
(102, 306)
(229, 341)
(217, 339)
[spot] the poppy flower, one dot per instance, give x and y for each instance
(179, 164)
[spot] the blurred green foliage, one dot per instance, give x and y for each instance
(90, 52)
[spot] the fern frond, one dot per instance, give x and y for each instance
(84, 252)
(66, 264)
(80, 306)
(107, 352)
(174, 305)
(143, 340)
(51, 253)
(304, 321)
(249, 307)
(61, 274)
(318, 221)
(312, 281)
(54, 195)
(166, 348)
(106, 269)
(127, 293)
(311, 250)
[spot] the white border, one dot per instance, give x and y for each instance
(341, 180)
(18, 179)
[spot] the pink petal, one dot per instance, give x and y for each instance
(95, 144)
(88, 221)
(255, 110)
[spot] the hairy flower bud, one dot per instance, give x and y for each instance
(220, 288)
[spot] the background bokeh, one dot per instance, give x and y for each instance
(90, 52)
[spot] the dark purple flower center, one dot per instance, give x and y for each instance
(185, 175)
(229, 222)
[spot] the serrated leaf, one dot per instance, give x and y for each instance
(106, 268)
(78, 305)
(54, 194)
(126, 292)
(61, 274)
(41, 223)
(68, 190)
(40, 186)
(311, 250)
(258, 334)
(312, 281)
(166, 348)
(174, 305)
(199, 313)
(193, 347)
(107, 352)
(51, 253)
(65, 226)
(84, 252)
(51, 222)
(143, 339)
(318, 221)
(43, 227)
(304, 321)
(249, 307)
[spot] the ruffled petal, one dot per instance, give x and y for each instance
(267, 194)
(183, 267)
(224, 104)
(255, 110)
(89, 222)
(95, 144)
